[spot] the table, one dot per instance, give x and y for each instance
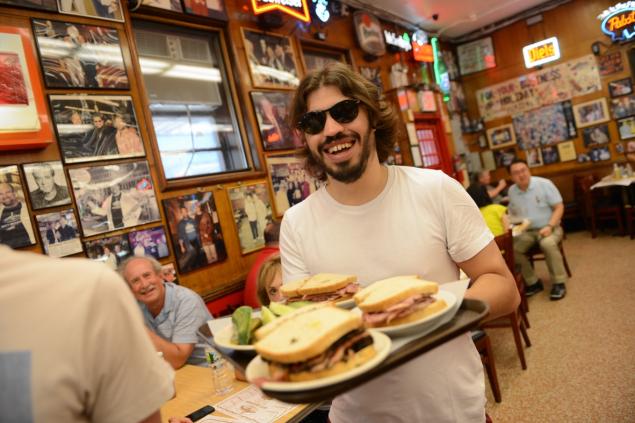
(610, 181)
(194, 389)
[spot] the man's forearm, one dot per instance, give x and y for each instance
(175, 354)
(556, 215)
(497, 291)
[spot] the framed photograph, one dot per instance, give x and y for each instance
(610, 63)
(373, 74)
(109, 10)
(626, 128)
(550, 155)
(272, 60)
(476, 56)
(73, 55)
(566, 151)
(489, 162)
(545, 126)
(290, 182)
(49, 5)
(591, 112)
(501, 136)
(111, 250)
(534, 157)
(114, 197)
(623, 106)
(315, 59)
(252, 211)
(620, 87)
(197, 238)
(504, 157)
(149, 242)
(96, 127)
(583, 158)
(169, 273)
(600, 154)
(596, 135)
(272, 113)
(209, 8)
(24, 120)
(15, 224)
(59, 233)
(173, 5)
(619, 148)
(47, 184)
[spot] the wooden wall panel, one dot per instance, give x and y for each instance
(576, 26)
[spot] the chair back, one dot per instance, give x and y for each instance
(583, 193)
(505, 243)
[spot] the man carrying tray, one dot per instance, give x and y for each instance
(376, 221)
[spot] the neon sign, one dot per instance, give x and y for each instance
(402, 42)
(542, 52)
(296, 8)
(321, 10)
(421, 50)
(618, 22)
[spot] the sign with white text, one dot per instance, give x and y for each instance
(618, 22)
(295, 8)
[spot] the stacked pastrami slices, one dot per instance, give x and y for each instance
(321, 288)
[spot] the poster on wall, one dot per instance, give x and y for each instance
(24, 121)
(15, 224)
(197, 238)
(114, 196)
(108, 9)
(47, 184)
(290, 182)
(476, 56)
(548, 86)
(79, 56)
(272, 113)
(566, 151)
(94, 127)
(252, 211)
(272, 60)
(59, 233)
(545, 126)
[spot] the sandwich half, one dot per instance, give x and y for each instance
(398, 300)
(315, 342)
(321, 287)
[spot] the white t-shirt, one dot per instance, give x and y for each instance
(73, 347)
(423, 222)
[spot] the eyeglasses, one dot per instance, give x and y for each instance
(343, 112)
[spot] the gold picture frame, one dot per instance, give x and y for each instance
(501, 136)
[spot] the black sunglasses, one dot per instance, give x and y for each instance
(343, 112)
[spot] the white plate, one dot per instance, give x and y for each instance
(223, 338)
(259, 369)
(419, 326)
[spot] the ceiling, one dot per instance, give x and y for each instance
(455, 18)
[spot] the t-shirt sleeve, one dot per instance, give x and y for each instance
(552, 193)
(466, 231)
(293, 266)
(191, 314)
(128, 380)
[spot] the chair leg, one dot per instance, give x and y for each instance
(523, 331)
(564, 260)
(523, 315)
(519, 346)
(490, 367)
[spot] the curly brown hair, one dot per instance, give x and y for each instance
(381, 115)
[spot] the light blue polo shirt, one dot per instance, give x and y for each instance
(535, 204)
(183, 313)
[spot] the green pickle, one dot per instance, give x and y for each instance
(267, 315)
(280, 309)
(241, 319)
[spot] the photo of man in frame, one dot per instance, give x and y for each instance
(15, 224)
(47, 184)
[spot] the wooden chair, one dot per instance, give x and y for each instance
(536, 254)
(596, 207)
(630, 219)
(505, 243)
(514, 319)
(484, 348)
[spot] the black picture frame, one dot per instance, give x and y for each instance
(620, 87)
(596, 135)
(74, 55)
(96, 127)
(623, 106)
(12, 233)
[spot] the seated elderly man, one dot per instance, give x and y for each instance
(537, 199)
(171, 312)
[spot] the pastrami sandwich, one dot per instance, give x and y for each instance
(321, 287)
(398, 300)
(314, 342)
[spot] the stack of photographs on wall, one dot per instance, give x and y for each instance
(112, 197)
(16, 230)
(59, 233)
(197, 238)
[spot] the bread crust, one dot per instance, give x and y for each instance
(291, 289)
(265, 330)
(325, 282)
(359, 358)
(306, 334)
(387, 292)
(431, 309)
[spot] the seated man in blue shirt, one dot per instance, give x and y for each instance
(171, 312)
(538, 200)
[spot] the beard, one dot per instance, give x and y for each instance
(345, 172)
